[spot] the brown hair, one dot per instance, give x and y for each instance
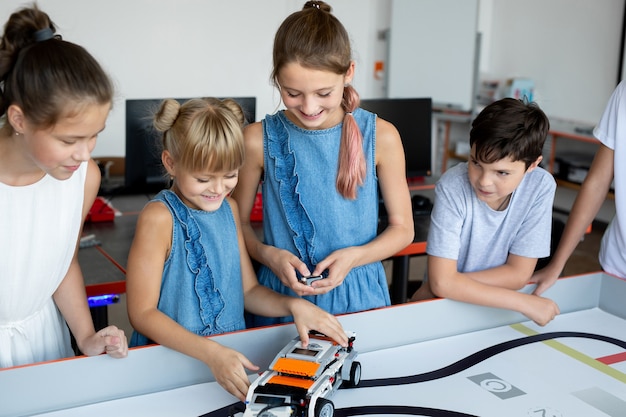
(314, 38)
(47, 77)
(203, 134)
(509, 128)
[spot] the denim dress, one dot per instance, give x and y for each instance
(201, 286)
(304, 213)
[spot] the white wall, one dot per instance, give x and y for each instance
(569, 47)
(432, 51)
(159, 48)
(190, 48)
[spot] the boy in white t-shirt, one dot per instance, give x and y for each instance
(492, 216)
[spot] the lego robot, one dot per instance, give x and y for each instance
(301, 380)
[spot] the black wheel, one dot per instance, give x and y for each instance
(324, 408)
(355, 376)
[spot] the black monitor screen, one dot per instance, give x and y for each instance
(413, 119)
(144, 172)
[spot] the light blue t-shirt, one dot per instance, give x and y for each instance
(478, 237)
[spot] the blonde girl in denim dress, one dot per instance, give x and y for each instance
(189, 275)
(320, 162)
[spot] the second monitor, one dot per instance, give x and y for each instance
(144, 172)
(413, 119)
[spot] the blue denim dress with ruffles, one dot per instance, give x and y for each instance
(201, 287)
(304, 213)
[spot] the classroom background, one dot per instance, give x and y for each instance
(571, 49)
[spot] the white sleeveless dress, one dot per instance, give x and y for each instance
(39, 226)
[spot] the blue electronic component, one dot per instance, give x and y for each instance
(103, 300)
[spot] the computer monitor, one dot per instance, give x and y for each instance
(413, 119)
(144, 172)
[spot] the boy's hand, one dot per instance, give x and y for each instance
(540, 310)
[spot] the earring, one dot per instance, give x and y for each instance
(17, 133)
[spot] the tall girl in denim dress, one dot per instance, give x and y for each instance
(320, 162)
(188, 274)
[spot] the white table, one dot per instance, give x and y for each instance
(564, 376)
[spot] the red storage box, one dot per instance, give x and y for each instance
(100, 211)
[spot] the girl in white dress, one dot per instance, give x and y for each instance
(54, 100)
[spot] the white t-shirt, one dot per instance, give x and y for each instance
(611, 131)
(478, 237)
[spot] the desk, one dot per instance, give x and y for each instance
(567, 130)
(104, 265)
(398, 290)
(400, 261)
(501, 367)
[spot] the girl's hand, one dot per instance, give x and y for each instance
(307, 316)
(228, 367)
(109, 340)
(285, 266)
(339, 264)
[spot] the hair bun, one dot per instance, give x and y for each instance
(167, 114)
(320, 5)
(236, 109)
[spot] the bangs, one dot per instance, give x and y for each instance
(218, 149)
(492, 152)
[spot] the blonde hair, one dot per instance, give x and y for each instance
(202, 134)
(316, 39)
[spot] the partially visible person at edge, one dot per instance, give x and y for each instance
(492, 216)
(321, 161)
(54, 102)
(189, 275)
(605, 171)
